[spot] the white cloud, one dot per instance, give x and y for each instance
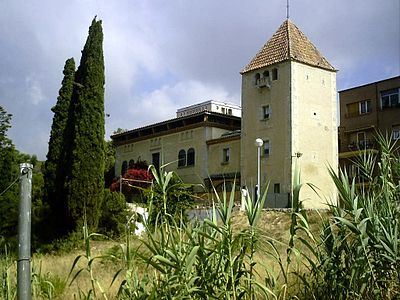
(34, 91)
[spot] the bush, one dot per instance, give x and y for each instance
(113, 214)
(133, 183)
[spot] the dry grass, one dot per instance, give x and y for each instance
(273, 225)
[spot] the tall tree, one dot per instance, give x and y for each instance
(54, 169)
(85, 179)
(8, 174)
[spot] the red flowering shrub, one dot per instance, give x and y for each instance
(132, 182)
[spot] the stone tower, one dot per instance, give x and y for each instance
(289, 101)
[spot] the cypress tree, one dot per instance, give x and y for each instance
(85, 179)
(54, 169)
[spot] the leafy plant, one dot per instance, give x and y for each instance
(359, 254)
(168, 197)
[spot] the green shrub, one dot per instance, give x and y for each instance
(113, 214)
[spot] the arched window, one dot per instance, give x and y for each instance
(182, 158)
(124, 167)
(190, 157)
(266, 74)
(257, 79)
(131, 164)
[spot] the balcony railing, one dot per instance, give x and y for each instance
(263, 82)
(362, 145)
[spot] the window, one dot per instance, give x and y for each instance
(396, 133)
(352, 109)
(230, 111)
(223, 110)
(131, 164)
(361, 140)
(267, 148)
(266, 111)
(124, 167)
(266, 74)
(190, 157)
(390, 98)
(277, 188)
(225, 155)
(365, 107)
(257, 79)
(155, 160)
(182, 158)
(274, 74)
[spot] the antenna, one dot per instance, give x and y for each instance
(287, 9)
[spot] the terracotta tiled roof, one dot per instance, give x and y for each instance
(288, 43)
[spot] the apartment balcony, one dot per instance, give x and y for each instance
(362, 145)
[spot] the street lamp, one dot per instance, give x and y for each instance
(259, 142)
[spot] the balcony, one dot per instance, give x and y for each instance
(362, 145)
(263, 82)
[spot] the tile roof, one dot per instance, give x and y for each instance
(288, 43)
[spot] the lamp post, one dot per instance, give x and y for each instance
(259, 142)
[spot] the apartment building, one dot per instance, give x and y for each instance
(363, 111)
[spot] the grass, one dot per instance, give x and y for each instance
(55, 266)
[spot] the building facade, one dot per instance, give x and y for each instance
(199, 146)
(289, 101)
(363, 111)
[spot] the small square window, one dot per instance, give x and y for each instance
(266, 112)
(365, 107)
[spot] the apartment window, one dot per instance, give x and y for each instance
(124, 167)
(390, 98)
(267, 148)
(352, 109)
(266, 111)
(277, 188)
(190, 157)
(274, 74)
(182, 158)
(365, 107)
(225, 155)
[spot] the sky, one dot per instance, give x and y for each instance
(163, 55)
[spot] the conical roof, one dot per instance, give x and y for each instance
(288, 43)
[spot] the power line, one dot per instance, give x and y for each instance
(16, 179)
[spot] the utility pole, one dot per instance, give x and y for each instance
(24, 233)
